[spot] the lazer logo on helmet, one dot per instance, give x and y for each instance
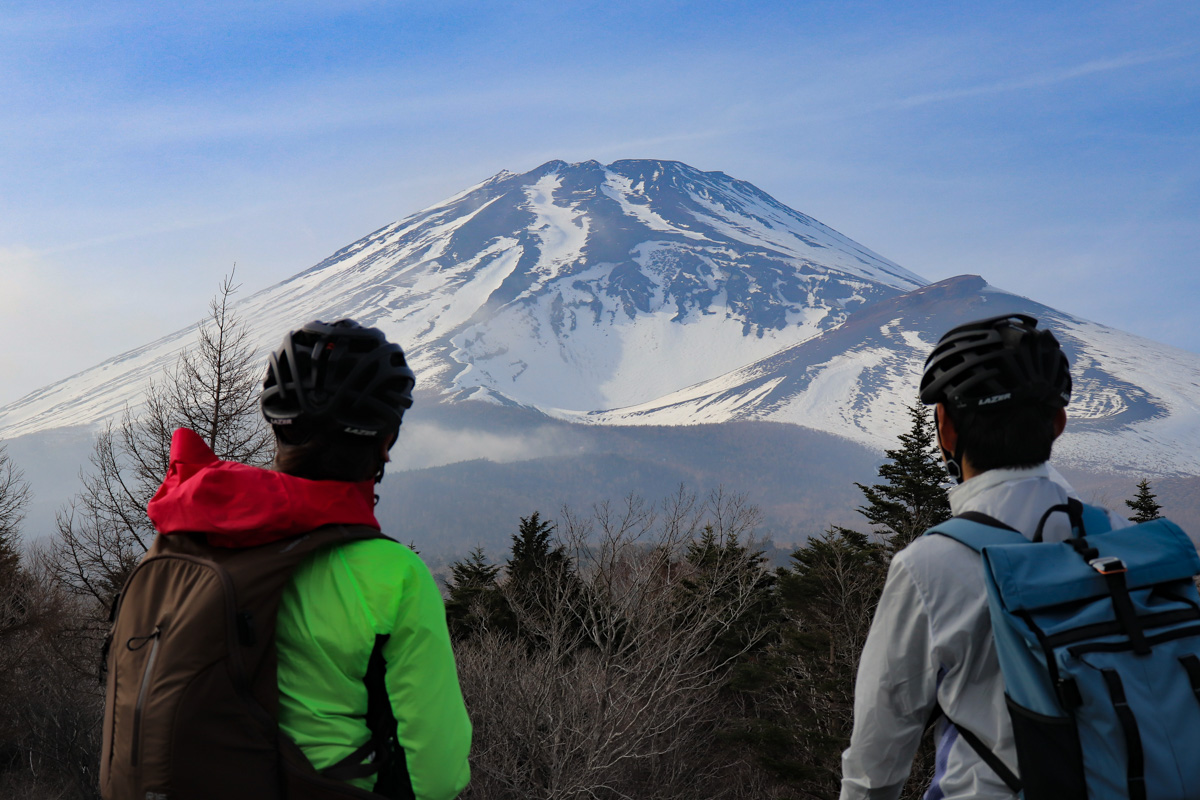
(359, 431)
(996, 398)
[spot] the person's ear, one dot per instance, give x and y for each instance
(1060, 422)
(947, 435)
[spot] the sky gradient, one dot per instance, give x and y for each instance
(1053, 148)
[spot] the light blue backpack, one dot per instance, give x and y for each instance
(1099, 642)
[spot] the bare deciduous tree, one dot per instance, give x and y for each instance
(50, 700)
(49, 655)
(14, 496)
(49, 711)
(104, 530)
(213, 390)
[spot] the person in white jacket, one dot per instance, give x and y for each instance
(1000, 386)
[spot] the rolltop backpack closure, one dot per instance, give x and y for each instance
(1098, 639)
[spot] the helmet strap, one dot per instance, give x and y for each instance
(953, 460)
(383, 458)
(379, 478)
(953, 463)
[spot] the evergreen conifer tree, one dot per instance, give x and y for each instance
(540, 577)
(474, 602)
(1144, 504)
(912, 497)
(532, 550)
(828, 596)
(727, 569)
(10, 558)
(833, 585)
(706, 551)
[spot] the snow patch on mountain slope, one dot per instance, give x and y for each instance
(752, 230)
(694, 347)
(625, 361)
(453, 199)
(760, 221)
(455, 293)
(1162, 387)
(87, 397)
(563, 230)
(708, 402)
(916, 342)
(829, 401)
(620, 189)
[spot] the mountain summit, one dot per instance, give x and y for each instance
(650, 292)
(569, 286)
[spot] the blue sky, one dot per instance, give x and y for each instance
(1053, 148)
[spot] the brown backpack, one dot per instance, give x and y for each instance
(190, 708)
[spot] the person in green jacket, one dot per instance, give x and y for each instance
(361, 629)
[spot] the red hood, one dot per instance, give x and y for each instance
(242, 506)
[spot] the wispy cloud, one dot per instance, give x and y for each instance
(145, 136)
(427, 444)
(140, 230)
(1040, 80)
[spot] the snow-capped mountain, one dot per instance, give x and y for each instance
(1135, 405)
(649, 292)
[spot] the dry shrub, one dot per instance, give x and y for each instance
(51, 700)
(614, 691)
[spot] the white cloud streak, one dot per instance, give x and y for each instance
(1040, 80)
(425, 444)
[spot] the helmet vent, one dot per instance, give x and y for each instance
(339, 376)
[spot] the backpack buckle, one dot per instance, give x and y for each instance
(1108, 565)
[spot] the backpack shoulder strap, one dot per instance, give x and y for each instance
(977, 531)
(299, 546)
(983, 751)
(382, 754)
(1085, 519)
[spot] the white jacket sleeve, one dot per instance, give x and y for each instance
(894, 693)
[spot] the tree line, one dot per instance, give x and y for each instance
(634, 650)
(649, 651)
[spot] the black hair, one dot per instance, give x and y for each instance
(1020, 435)
(327, 455)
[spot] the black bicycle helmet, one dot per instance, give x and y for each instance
(340, 376)
(997, 362)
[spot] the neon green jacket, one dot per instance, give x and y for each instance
(329, 615)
